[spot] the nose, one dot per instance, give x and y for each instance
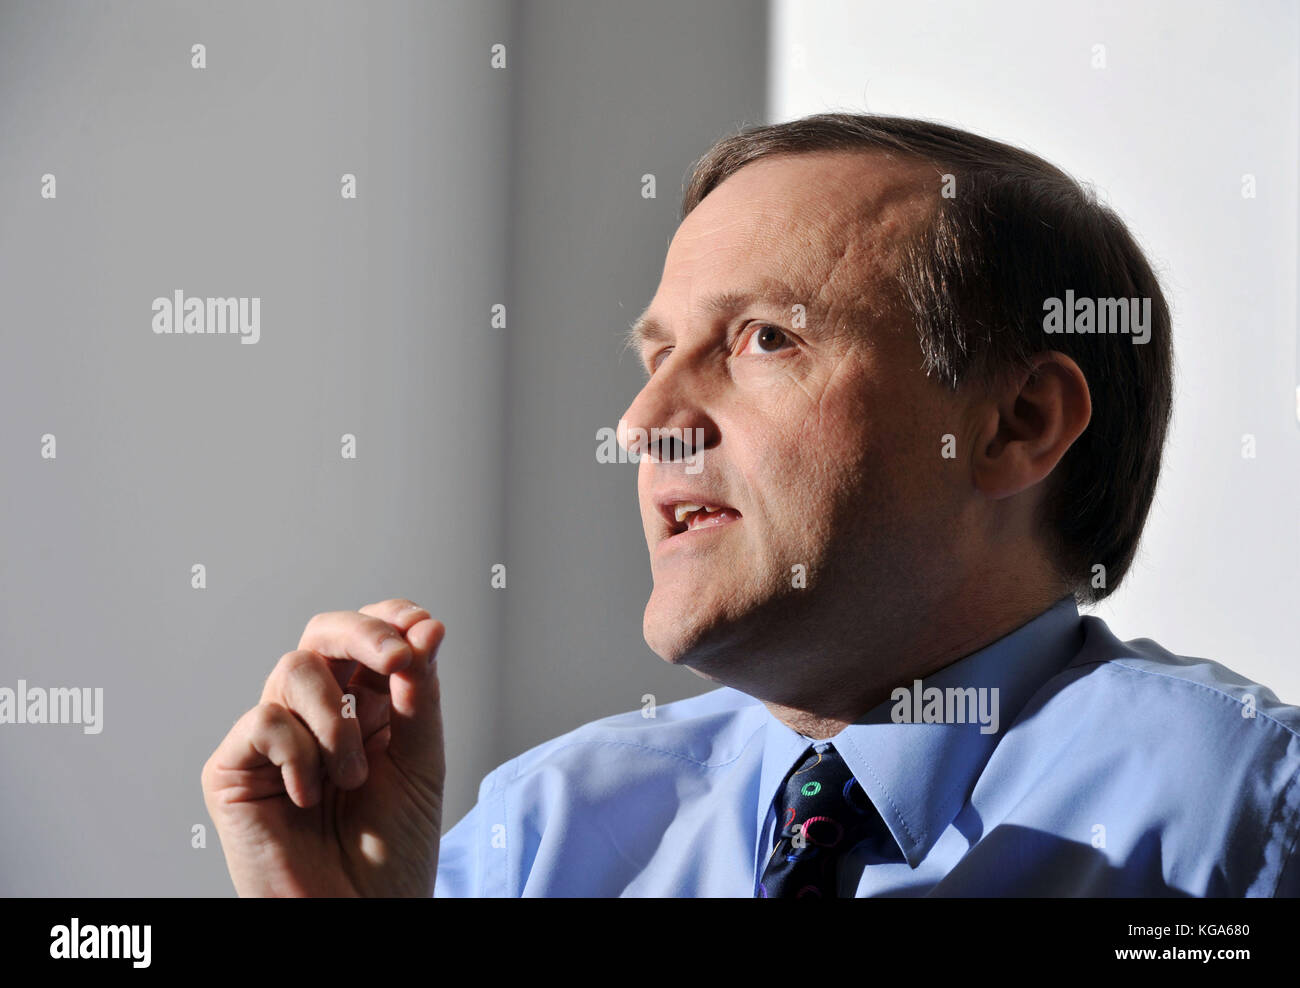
(667, 420)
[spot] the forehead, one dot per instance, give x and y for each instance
(824, 225)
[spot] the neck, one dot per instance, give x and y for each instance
(841, 688)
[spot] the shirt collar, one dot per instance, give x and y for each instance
(919, 775)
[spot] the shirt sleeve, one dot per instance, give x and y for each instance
(473, 861)
(459, 859)
(1288, 813)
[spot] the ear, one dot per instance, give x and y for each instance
(1035, 417)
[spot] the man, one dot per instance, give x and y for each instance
(927, 379)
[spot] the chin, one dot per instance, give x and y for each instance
(687, 632)
(669, 644)
(671, 631)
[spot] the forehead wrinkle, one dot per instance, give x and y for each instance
(863, 249)
(695, 244)
(844, 243)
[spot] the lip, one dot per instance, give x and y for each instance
(672, 529)
(682, 538)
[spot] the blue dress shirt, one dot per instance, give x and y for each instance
(1116, 769)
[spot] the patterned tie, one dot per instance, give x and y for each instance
(822, 814)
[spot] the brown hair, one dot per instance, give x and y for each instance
(975, 279)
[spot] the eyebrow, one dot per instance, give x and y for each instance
(646, 329)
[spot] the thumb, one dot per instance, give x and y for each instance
(416, 717)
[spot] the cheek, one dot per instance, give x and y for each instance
(809, 448)
(807, 479)
(910, 481)
(866, 456)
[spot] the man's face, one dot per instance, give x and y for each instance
(821, 434)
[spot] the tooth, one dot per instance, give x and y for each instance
(684, 509)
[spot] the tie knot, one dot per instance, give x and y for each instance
(822, 814)
(823, 801)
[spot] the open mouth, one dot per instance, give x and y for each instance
(692, 517)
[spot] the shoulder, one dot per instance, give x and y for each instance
(1163, 747)
(1203, 696)
(1176, 736)
(705, 731)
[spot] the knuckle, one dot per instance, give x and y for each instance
(300, 666)
(315, 622)
(268, 717)
(210, 777)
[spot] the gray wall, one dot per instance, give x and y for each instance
(475, 445)
(639, 89)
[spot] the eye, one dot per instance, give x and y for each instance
(657, 359)
(765, 339)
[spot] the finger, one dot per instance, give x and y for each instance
(269, 734)
(303, 682)
(425, 638)
(371, 705)
(416, 715)
(368, 679)
(399, 612)
(344, 635)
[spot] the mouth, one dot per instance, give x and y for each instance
(686, 515)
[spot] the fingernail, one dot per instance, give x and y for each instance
(391, 646)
